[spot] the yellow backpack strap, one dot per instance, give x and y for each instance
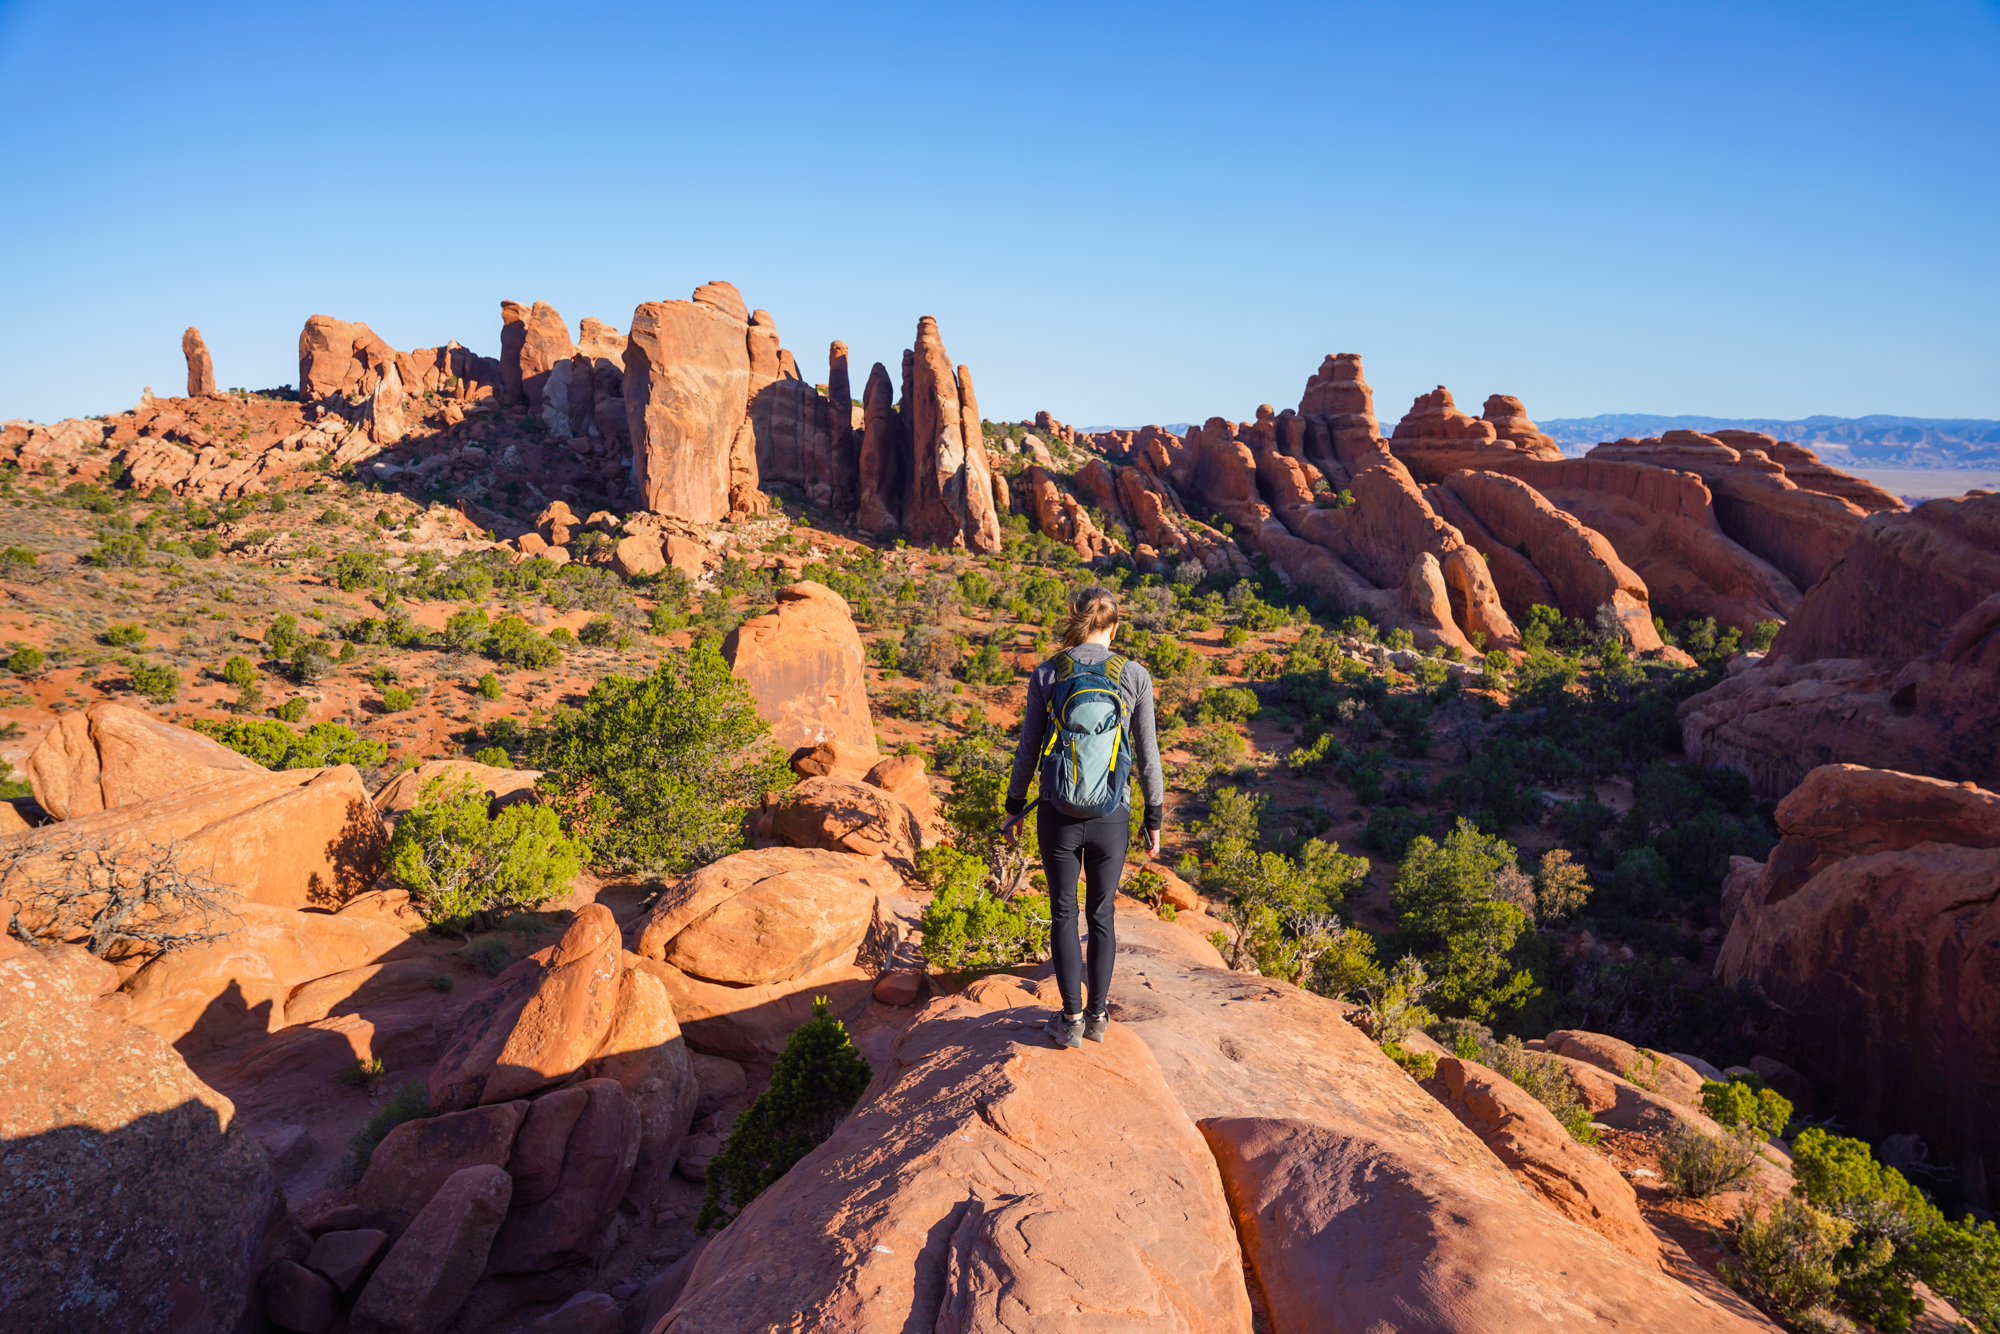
(1065, 666)
(1114, 667)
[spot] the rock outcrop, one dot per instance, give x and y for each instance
(128, 1185)
(843, 815)
(1892, 661)
(201, 370)
(1874, 929)
(965, 1193)
(804, 665)
(744, 944)
(687, 387)
(109, 756)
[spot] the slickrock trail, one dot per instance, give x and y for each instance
(511, 844)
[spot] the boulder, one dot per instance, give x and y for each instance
(304, 837)
(205, 996)
(201, 370)
(902, 776)
(503, 787)
(687, 386)
(109, 755)
(429, 1272)
(347, 1257)
(720, 1081)
(1526, 1136)
(585, 1313)
(416, 1158)
(841, 815)
(1872, 928)
(542, 1020)
(538, 1150)
(360, 989)
(566, 1226)
(166, 1210)
(765, 916)
(964, 1193)
(753, 1023)
(647, 1056)
(642, 553)
(827, 758)
(805, 667)
(296, 1298)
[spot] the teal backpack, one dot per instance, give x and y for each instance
(1086, 762)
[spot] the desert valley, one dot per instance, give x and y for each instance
(514, 844)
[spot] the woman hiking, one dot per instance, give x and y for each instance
(1087, 728)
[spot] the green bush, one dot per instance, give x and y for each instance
(490, 955)
(239, 671)
(1546, 1078)
(1788, 1257)
(1739, 1103)
(1697, 1164)
(293, 709)
(1391, 829)
(460, 863)
(513, 641)
(276, 746)
(124, 636)
(464, 630)
(598, 631)
(1393, 1002)
(25, 661)
(310, 662)
(494, 756)
(1449, 915)
(395, 699)
(412, 1102)
(1420, 1064)
(489, 687)
(813, 1084)
(159, 683)
(118, 551)
(1233, 704)
(654, 775)
(967, 926)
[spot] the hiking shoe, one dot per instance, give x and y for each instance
(1066, 1032)
(1094, 1025)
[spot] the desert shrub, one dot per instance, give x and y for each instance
(395, 699)
(1391, 829)
(1561, 886)
(493, 755)
(25, 661)
(460, 863)
(490, 955)
(654, 774)
(814, 1083)
(156, 681)
(1420, 1064)
(1398, 638)
(1697, 1164)
(513, 641)
(1896, 1231)
(124, 636)
(464, 630)
(884, 653)
(966, 925)
(562, 636)
(293, 709)
(239, 672)
(598, 631)
(124, 899)
(1739, 1103)
(1788, 1258)
(120, 551)
(1452, 919)
(284, 635)
(356, 569)
(489, 687)
(1233, 704)
(276, 746)
(310, 662)
(15, 562)
(412, 1102)
(1392, 1004)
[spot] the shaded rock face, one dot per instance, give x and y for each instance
(948, 495)
(534, 342)
(881, 472)
(1892, 661)
(430, 1272)
(1874, 929)
(201, 370)
(804, 665)
(165, 1208)
(687, 386)
(985, 1200)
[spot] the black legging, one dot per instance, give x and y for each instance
(1096, 847)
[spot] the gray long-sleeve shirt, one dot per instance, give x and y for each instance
(1135, 683)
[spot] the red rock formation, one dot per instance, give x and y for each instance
(1873, 929)
(1579, 564)
(990, 1201)
(1063, 517)
(533, 342)
(949, 498)
(1510, 422)
(1805, 470)
(109, 755)
(840, 422)
(201, 371)
(804, 665)
(1893, 661)
(879, 478)
(337, 358)
(687, 378)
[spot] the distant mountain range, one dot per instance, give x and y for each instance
(1898, 442)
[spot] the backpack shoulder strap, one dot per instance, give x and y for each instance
(1065, 665)
(1114, 667)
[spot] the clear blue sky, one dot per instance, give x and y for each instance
(1122, 213)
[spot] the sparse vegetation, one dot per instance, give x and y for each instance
(462, 864)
